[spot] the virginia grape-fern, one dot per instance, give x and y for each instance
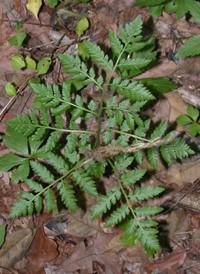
(70, 141)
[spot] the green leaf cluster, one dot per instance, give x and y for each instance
(180, 7)
(191, 121)
(69, 140)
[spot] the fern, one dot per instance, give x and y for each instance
(105, 202)
(175, 150)
(84, 181)
(117, 216)
(67, 194)
(69, 141)
(190, 47)
(180, 7)
(133, 176)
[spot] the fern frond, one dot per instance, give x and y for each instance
(21, 172)
(117, 216)
(42, 172)
(148, 223)
(105, 202)
(138, 156)
(50, 200)
(20, 208)
(57, 162)
(135, 63)
(22, 124)
(145, 193)
(97, 54)
(177, 149)
(52, 141)
(134, 28)
(190, 47)
(122, 161)
(84, 181)
(115, 43)
(159, 130)
(147, 210)
(96, 169)
(148, 2)
(149, 240)
(194, 7)
(67, 194)
(73, 65)
(152, 156)
(38, 201)
(9, 161)
(133, 176)
(131, 89)
(35, 186)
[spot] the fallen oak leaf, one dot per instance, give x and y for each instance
(42, 250)
(99, 251)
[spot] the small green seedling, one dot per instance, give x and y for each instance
(30, 63)
(10, 89)
(43, 65)
(17, 61)
(82, 26)
(18, 39)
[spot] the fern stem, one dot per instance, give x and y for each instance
(79, 107)
(64, 130)
(129, 134)
(124, 194)
(103, 95)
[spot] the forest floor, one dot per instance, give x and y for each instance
(65, 243)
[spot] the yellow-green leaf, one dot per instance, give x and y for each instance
(43, 65)
(34, 6)
(17, 61)
(10, 89)
(82, 26)
(31, 64)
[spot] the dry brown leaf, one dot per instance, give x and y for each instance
(15, 247)
(116, 244)
(174, 260)
(41, 251)
(184, 173)
(81, 225)
(178, 106)
(178, 223)
(83, 257)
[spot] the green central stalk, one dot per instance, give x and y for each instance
(101, 108)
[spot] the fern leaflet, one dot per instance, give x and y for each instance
(118, 215)
(84, 181)
(67, 194)
(105, 202)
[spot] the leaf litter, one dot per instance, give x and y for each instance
(78, 245)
